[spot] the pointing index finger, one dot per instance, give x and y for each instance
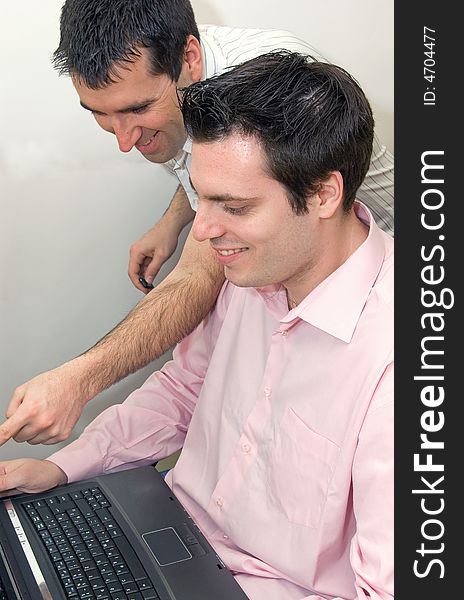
(11, 427)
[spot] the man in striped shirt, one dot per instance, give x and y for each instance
(127, 68)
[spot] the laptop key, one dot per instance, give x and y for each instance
(144, 584)
(114, 532)
(121, 570)
(114, 587)
(119, 596)
(61, 508)
(149, 595)
(102, 561)
(104, 515)
(84, 507)
(131, 559)
(71, 592)
(196, 550)
(130, 587)
(186, 534)
(97, 583)
(45, 513)
(110, 578)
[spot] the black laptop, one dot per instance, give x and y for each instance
(120, 536)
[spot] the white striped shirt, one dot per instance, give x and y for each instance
(224, 47)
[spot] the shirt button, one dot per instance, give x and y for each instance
(246, 448)
(284, 332)
(219, 502)
(267, 391)
(226, 537)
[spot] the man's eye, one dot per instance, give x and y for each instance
(139, 110)
(234, 210)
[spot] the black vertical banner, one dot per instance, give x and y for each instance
(429, 236)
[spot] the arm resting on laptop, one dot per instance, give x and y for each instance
(29, 475)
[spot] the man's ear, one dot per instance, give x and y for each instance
(330, 195)
(192, 63)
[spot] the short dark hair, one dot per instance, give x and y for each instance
(97, 36)
(311, 118)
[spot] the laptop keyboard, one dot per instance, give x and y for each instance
(91, 555)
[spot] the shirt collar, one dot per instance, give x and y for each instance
(181, 160)
(336, 304)
(187, 147)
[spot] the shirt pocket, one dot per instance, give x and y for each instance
(301, 469)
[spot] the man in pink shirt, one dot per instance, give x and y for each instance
(282, 398)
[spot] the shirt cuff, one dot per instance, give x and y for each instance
(79, 460)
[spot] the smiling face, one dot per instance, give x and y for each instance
(142, 109)
(247, 218)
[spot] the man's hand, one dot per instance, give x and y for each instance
(158, 244)
(153, 249)
(45, 409)
(29, 475)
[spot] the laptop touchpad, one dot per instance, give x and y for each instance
(166, 546)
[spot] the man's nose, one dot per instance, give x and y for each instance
(126, 134)
(206, 224)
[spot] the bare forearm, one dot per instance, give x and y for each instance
(179, 210)
(166, 315)
(45, 409)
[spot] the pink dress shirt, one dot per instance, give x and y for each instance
(286, 424)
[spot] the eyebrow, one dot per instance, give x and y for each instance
(230, 198)
(225, 197)
(123, 111)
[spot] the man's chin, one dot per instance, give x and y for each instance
(154, 158)
(163, 151)
(159, 157)
(234, 278)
